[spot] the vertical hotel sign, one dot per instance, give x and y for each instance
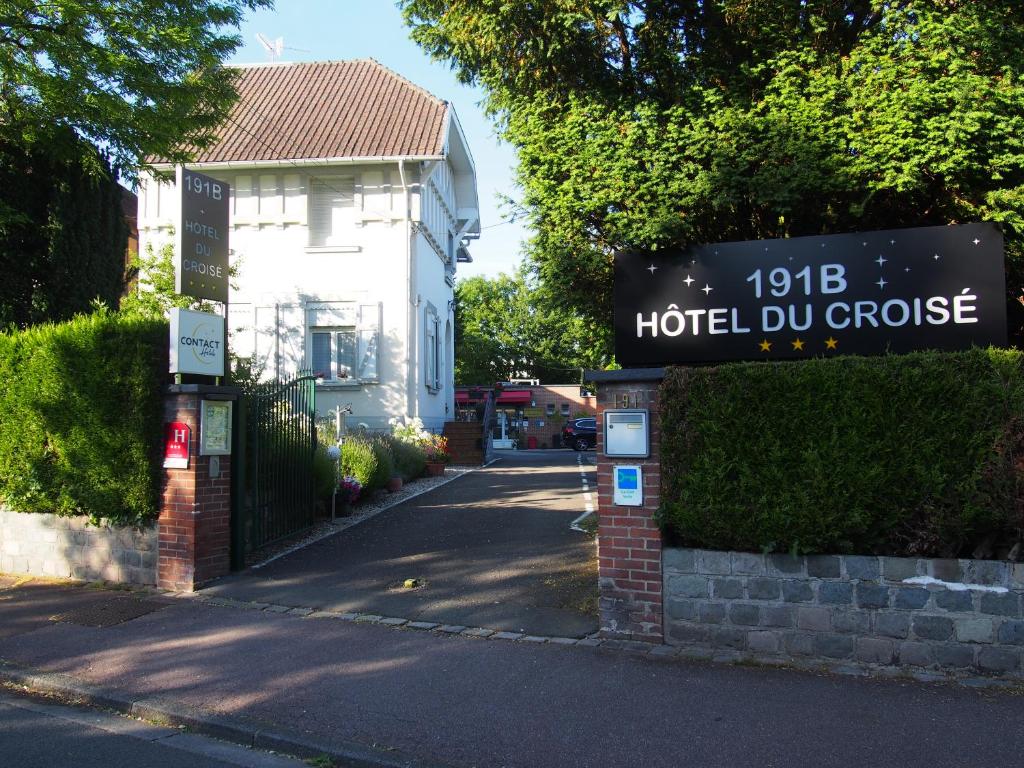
(202, 237)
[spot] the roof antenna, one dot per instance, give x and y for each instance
(273, 49)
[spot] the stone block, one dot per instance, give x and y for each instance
(728, 637)
(711, 613)
(824, 566)
(892, 625)
(993, 573)
(945, 570)
(763, 642)
(799, 644)
(911, 598)
(688, 586)
(900, 568)
(1011, 632)
(933, 627)
(835, 593)
(875, 650)
(998, 660)
(814, 618)
(852, 621)
(748, 564)
(833, 646)
(745, 615)
(778, 616)
(1017, 576)
(797, 591)
(681, 609)
(1005, 604)
(785, 565)
(714, 563)
(916, 654)
(872, 596)
(953, 655)
(863, 568)
(950, 600)
(727, 589)
(763, 589)
(974, 630)
(682, 560)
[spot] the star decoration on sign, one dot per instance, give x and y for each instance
(689, 281)
(881, 260)
(892, 242)
(831, 343)
(798, 345)
(707, 289)
(937, 257)
(881, 283)
(765, 345)
(651, 269)
(977, 241)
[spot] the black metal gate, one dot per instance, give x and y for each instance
(275, 443)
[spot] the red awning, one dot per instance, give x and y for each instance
(522, 397)
(462, 397)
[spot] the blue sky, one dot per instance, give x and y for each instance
(355, 29)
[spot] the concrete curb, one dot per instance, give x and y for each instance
(224, 727)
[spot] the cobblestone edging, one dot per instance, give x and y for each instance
(66, 547)
(949, 617)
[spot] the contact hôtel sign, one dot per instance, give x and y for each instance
(864, 293)
(197, 342)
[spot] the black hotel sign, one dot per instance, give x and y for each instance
(867, 293)
(202, 237)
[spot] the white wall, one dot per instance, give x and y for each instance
(282, 277)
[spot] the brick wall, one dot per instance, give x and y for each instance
(194, 527)
(629, 542)
(67, 547)
(465, 441)
(849, 610)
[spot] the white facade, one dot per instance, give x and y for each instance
(345, 266)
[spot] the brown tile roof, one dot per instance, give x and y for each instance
(328, 109)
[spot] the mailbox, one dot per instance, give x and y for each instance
(626, 433)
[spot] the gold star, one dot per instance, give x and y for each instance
(831, 343)
(766, 346)
(798, 345)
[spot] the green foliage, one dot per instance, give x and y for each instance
(81, 417)
(902, 455)
(368, 460)
(659, 124)
(324, 473)
(510, 327)
(62, 235)
(141, 77)
(385, 466)
(409, 459)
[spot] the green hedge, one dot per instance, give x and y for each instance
(81, 417)
(903, 455)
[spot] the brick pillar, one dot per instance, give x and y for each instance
(629, 541)
(194, 527)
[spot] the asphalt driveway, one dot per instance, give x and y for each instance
(491, 549)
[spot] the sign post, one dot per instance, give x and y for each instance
(863, 293)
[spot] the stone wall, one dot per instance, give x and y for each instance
(66, 547)
(849, 610)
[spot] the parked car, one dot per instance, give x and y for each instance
(580, 434)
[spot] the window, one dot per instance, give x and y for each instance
(433, 359)
(565, 409)
(551, 409)
(343, 341)
(331, 211)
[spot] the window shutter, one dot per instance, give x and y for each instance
(346, 354)
(330, 210)
(368, 342)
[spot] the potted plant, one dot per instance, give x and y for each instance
(436, 449)
(394, 484)
(348, 494)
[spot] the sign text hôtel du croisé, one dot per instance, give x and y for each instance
(865, 293)
(203, 237)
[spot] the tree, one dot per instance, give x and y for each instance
(663, 123)
(62, 235)
(138, 77)
(508, 327)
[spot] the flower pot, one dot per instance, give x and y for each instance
(394, 484)
(435, 469)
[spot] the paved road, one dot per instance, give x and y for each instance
(37, 734)
(472, 702)
(493, 548)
